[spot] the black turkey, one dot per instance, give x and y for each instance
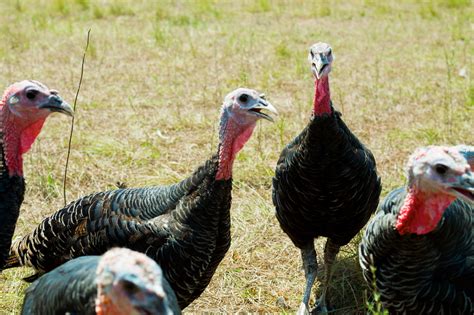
(421, 241)
(325, 183)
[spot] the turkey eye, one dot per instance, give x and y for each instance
(244, 98)
(31, 94)
(129, 286)
(441, 169)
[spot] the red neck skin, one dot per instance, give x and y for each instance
(422, 211)
(235, 136)
(18, 136)
(104, 305)
(322, 97)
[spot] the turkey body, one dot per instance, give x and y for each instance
(421, 274)
(72, 288)
(325, 183)
(184, 227)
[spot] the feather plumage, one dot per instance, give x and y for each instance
(325, 183)
(189, 222)
(12, 190)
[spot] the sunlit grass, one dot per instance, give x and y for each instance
(155, 77)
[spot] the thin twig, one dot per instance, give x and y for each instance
(72, 123)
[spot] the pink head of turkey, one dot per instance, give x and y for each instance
(24, 107)
(130, 283)
(241, 110)
(437, 176)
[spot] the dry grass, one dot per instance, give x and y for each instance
(166, 65)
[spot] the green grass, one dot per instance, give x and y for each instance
(163, 67)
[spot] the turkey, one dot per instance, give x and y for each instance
(325, 183)
(421, 240)
(24, 108)
(121, 281)
(185, 227)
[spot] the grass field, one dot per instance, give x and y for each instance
(156, 74)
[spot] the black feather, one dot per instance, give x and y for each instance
(184, 227)
(325, 183)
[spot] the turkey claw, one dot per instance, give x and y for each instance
(303, 310)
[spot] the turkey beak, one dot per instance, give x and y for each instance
(56, 104)
(464, 187)
(319, 62)
(153, 303)
(263, 104)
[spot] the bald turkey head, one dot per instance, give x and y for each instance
(241, 110)
(24, 107)
(321, 58)
(436, 177)
(441, 170)
(130, 283)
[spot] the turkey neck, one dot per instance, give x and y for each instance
(233, 137)
(17, 137)
(201, 230)
(322, 97)
(421, 211)
(104, 305)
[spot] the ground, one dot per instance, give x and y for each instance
(156, 74)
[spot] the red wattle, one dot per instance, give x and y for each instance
(322, 97)
(235, 138)
(421, 212)
(18, 136)
(29, 135)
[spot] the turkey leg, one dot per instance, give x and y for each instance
(310, 266)
(330, 251)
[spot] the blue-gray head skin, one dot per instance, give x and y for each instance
(130, 283)
(321, 57)
(241, 110)
(245, 107)
(468, 152)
